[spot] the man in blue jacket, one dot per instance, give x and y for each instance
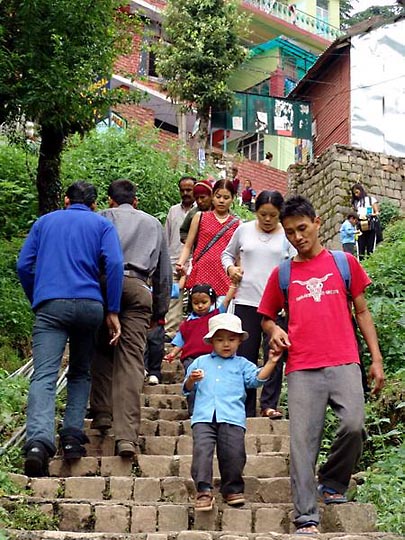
(59, 268)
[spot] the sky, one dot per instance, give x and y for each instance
(361, 5)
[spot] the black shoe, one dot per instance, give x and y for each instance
(72, 447)
(36, 460)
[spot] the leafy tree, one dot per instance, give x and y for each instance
(204, 47)
(385, 12)
(55, 58)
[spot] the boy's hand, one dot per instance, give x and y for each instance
(169, 357)
(274, 356)
(196, 375)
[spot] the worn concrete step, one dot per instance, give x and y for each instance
(195, 535)
(169, 445)
(148, 490)
(263, 466)
(127, 516)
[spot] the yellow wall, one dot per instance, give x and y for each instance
(282, 149)
(254, 71)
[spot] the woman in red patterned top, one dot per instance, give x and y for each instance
(210, 233)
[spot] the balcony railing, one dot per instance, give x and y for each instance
(297, 17)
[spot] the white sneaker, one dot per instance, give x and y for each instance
(153, 380)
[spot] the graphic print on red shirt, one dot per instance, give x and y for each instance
(319, 327)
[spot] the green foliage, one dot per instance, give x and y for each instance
(204, 47)
(13, 393)
(17, 190)
(54, 57)
(26, 517)
(384, 486)
(15, 314)
(387, 293)
(388, 212)
(387, 13)
(101, 158)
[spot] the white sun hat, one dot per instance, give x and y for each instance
(225, 321)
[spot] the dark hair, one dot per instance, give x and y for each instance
(201, 288)
(352, 215)
(361, 197)
(297, 205)
(194, 180)
(273, 197)
(82, 193)
(122, 191)
(224, 184)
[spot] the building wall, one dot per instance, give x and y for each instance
(327, 182)
(262, 176)
(330, 98)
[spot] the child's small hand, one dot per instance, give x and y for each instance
(274, 356)
(197, 375)
(169, 357)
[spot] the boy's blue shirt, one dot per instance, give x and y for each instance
(347, 232)
(223, 389)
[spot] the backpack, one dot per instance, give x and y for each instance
(342, 263)
(284, 274)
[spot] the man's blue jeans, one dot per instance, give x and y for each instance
(56, 321)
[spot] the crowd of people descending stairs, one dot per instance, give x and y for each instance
(218, 342)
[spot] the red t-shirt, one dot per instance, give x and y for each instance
(319, 325)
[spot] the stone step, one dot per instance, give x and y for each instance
(170, 389)
(148, 490)
(154, 423)
(195, 535)
(169, 445)
(127, 516)
(262, 466)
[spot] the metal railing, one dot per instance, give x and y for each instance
(296, 16)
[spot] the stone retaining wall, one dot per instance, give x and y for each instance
(327, 182)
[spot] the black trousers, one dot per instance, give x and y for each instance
(231, 453)
(191, 395)
(154, 350)
(251, 322)
(366, 243)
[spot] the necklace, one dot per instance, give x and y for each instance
(265, 237)
(221, 219)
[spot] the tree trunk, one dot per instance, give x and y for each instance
(48, 174)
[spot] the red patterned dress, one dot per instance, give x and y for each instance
(208, 269)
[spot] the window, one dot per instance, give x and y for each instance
(252, 147)
(147, 62)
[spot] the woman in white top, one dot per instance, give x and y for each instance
(254, 250)
(367, 210)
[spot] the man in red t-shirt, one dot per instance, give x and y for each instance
(323, 361)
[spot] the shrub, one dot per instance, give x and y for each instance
(100, 158)
(18, 198)
(387, 293)
(388, 212)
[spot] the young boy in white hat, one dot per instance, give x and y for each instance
(220, 380)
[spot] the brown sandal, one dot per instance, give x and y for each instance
(272, 414)
(204, 501)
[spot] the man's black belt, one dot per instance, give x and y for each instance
(136, 274)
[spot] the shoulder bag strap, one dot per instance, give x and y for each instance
(215, 238)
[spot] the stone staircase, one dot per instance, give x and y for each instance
(151, 497)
